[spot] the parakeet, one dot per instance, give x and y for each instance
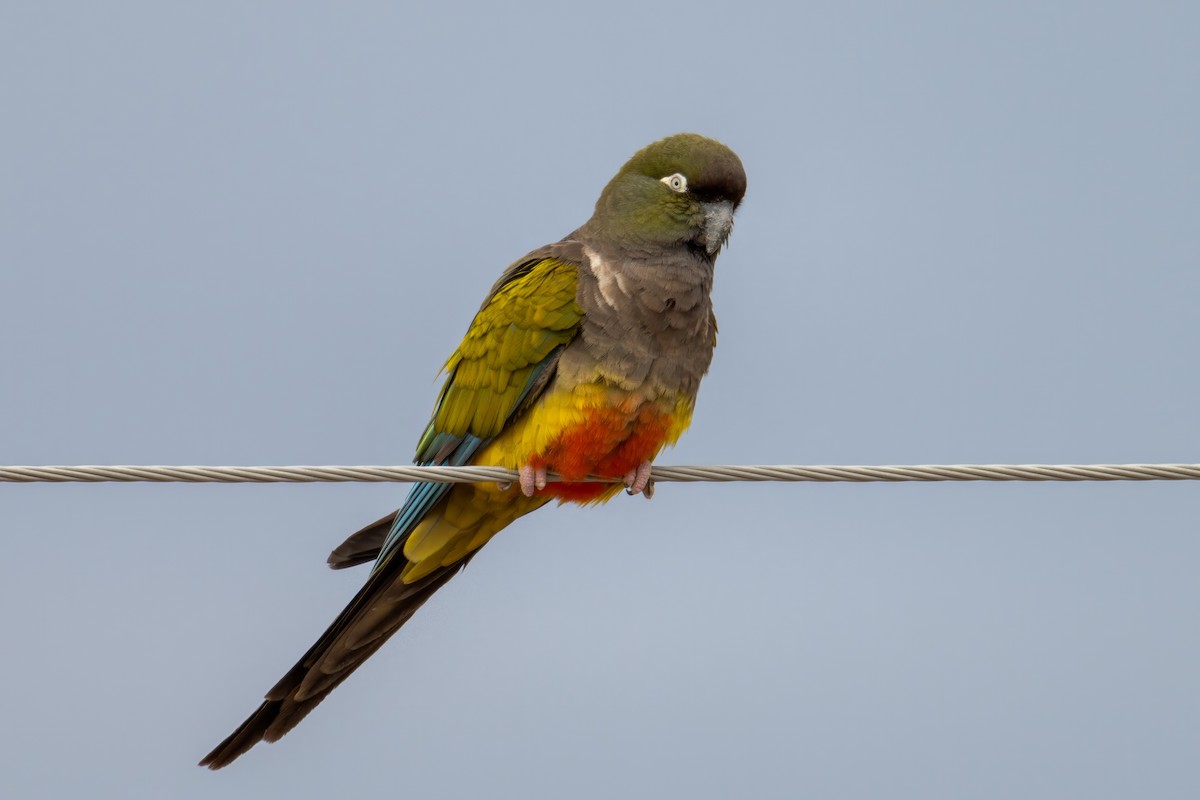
(584, 360)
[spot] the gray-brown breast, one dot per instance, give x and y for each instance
(648, 324)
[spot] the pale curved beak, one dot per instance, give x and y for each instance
(718, 222)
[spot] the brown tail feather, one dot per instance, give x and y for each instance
(362, 546)
(378, 610)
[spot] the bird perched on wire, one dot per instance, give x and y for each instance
(584, 360)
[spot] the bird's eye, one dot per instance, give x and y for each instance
(676, 182)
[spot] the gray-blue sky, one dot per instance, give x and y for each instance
(250, 234)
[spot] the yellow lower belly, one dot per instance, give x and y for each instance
(591, 429)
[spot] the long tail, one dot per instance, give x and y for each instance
(378, 610)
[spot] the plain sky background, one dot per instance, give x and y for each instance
(250, 233)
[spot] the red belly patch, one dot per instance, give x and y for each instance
(609, 444)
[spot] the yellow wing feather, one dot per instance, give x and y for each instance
(517, 329)
(508, 347)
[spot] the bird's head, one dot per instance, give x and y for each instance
(677, 192)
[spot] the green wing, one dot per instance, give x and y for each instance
(503, 363)
(507, 356)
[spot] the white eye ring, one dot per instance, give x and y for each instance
(676, 182)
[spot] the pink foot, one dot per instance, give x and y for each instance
(532, 479)
(637, 481)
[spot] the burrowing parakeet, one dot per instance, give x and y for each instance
(584, 359)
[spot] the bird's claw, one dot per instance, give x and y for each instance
(637, 481)
(533, 479)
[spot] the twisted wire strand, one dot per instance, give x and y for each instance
(665, 474)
